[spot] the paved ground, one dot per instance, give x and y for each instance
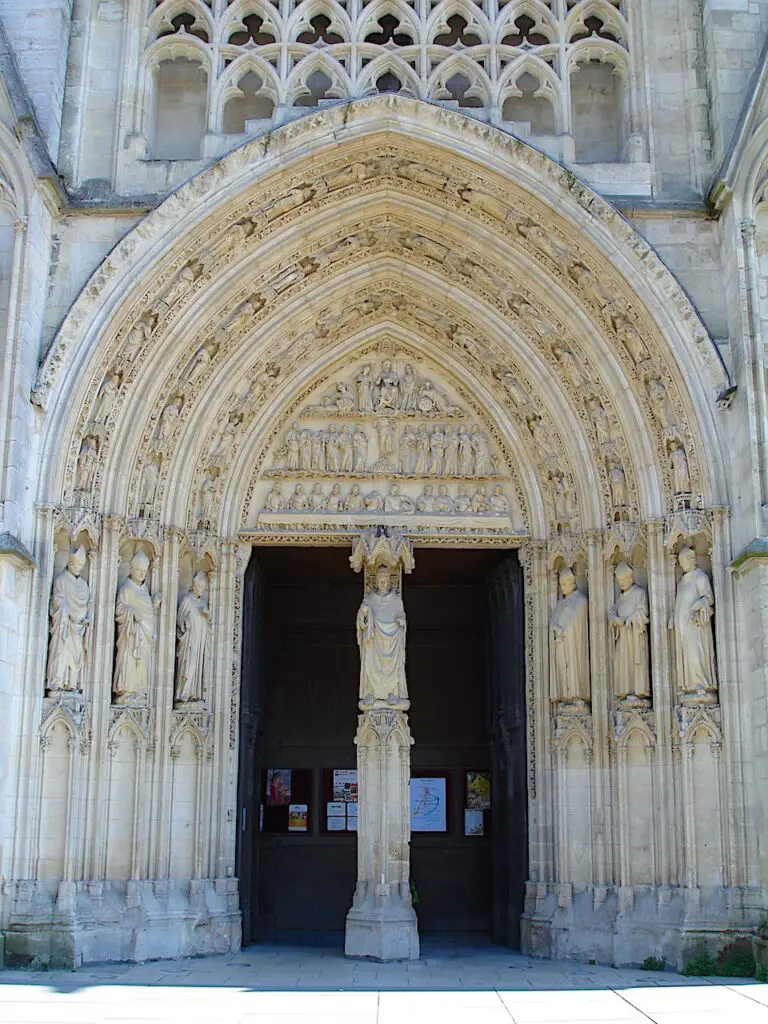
(452, 984)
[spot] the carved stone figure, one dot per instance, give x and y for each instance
(600, 420)
(443, 501)
(354, 500)
(292, 456)
(373, 502)
(381, 630)
(86, 464)
(517, 393)
(305, 449)
(385, 432)
(274, 500)
(692, 623)
(480, 501)
(359, 450)
(169, 418)
(346, 449)
(569, 634)
(482, 452)
(561, 499)
(209, 493)
(298, 501)
(451, 456)
(568, 365)
(437, 449)
(408, 386)
(423, 452)
(617, 483)
(317, 451)
(333, 501)
(365, 383)
(70, 624)
(150, 477)
(346, 399)
(332, 449)
(462, 503)
(396, 502)
(318, 500)
(201, 361)
(542, 438)
(661, 407)
(426, 500)
(409, 443)
(387, 388)
(193, 633)
(430, 401)
(681, 478)
(466, 456)
(628, 620)
(499, 502)
(136, 633)
(106, 398)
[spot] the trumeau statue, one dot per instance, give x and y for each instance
(569, 635)
(692, 623)
(381, 638)
(70, 623)
(193, 631)
(136, 633)
(628, 620)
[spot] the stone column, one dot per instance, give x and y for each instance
(381, 924)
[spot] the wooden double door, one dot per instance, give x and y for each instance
(465, 668)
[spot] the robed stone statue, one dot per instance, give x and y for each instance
(136, 633)
(381, 637)
(628, 620)
(569, 635)
(70, 623)
(193, 631)
(692, 623)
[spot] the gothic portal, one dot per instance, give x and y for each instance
(383, 319)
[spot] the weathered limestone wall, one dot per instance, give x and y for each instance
(734, 34)
(39, 33)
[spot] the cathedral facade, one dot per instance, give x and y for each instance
(485, 279)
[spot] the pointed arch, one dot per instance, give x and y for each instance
(228, 85)
(366, 82)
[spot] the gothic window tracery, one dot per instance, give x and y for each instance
(563, 69)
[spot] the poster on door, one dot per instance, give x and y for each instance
(428, 810)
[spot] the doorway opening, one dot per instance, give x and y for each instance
(465, 668)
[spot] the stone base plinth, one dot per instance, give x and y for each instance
(79, 923)
(381, 925)
(623, 925)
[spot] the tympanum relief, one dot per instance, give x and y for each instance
(390, 440)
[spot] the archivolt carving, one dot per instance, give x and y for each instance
(161, 310)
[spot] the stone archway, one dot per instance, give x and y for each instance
(250, 300)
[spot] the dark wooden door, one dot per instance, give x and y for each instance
(299, 712)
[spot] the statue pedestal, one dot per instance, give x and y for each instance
(381, 924)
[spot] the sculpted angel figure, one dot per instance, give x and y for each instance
(569, 637)
(381, 630)
(692, 624)
(70, 624)
(628, 620)
(193, 633)
(136, 633)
